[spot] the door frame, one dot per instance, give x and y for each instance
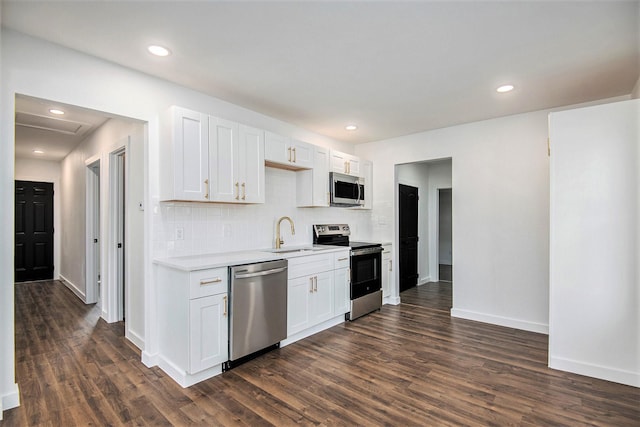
(436, 273)
(92, 225)
(116, 289)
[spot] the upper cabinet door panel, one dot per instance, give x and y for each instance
(190, 143)
(223, 160)
(282, 151)
(277, 148)
(251, 161)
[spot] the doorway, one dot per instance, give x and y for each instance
(33, 251)
(408, 236)
(445, 249)
(118, 202)
(93, 273)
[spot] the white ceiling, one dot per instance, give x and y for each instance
(55, 135)
(391, 67)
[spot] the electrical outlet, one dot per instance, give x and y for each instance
(179, 233)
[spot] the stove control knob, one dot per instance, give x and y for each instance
(345, 228)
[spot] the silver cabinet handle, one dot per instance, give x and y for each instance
(342, 259)
(315, 284)
(310, 285)
(206, 192)
(237, 191)
(390, 265)
(294, 154)
(346, 168)
(244, 191)
(289, 149)
(260, 273)
(208, 282)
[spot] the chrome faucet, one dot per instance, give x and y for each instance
(279, 240)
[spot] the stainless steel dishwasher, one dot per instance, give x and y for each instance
(258, 309)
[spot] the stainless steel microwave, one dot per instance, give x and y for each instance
(346, 190)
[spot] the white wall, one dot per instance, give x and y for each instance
(500, 212)
(40, 69)
(98, 146)
(594, 274)
(45, 171)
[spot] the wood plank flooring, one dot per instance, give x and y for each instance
(404, 365)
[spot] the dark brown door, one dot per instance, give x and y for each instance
(34, 231)
(408, 265)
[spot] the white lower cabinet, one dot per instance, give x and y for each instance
(208, 332)
(387, 270)
(192, 323)
(317, 291)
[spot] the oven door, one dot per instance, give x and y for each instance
(366, 270)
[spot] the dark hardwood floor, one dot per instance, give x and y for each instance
(404, 365)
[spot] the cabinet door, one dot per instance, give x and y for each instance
(300, 291)
(339, 162)
(387, 270)
(302, 154)
(191, 151)
(353, 166)
(251, 161)
(223, 160)
(208, 332)
(277, 148)
(321, 177)
(341, 291)
(322, 299)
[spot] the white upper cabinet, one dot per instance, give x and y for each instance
(345, 163)
(284, 152)
(236, 158)
(312, 186)
(209, 159)
(185, 156)
(224, 156)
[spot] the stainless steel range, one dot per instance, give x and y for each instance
(366, 267)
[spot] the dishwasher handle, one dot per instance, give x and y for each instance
(260, 273)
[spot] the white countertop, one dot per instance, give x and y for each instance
(206, 261)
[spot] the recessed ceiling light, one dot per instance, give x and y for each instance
(505, 88)
(158, 50)
(351, 127)
(38, 152)
(56, 111)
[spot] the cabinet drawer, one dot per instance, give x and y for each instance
(341, 260)
(208, 282)
(310, 264)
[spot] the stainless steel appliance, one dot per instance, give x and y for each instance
(258, 309)
(366, 267)
(346, 190)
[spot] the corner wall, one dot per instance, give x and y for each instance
(595, 217)
(500, 177)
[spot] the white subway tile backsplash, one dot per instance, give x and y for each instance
(215, 228)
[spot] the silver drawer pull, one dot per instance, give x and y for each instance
(342, 259)
(208, 282)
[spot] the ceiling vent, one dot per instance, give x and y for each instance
(67, 127)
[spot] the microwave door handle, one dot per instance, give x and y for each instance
(358, 185)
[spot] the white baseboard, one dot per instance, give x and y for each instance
(424, 280)
(313, 330)
(595, 371)
(136, 339)
(73, 288)
(183, 378)
(10, 400)
(501, 321)
(391, 300)
(149, 360)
